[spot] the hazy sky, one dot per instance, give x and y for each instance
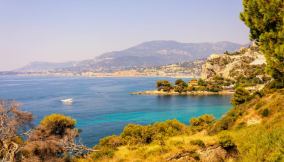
(64, 30)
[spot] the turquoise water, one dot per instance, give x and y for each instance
(103, 106)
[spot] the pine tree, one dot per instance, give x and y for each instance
(265, 18)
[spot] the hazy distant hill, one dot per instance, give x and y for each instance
(148, 54)
(45, 66)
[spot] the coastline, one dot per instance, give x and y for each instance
(192, 93)
(103, 75)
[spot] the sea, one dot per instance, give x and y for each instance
(103, 106)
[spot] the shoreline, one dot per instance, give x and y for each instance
(192, 93)
(101, 76)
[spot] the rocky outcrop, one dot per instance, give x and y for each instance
(247, 62)
(209, 154)
(213, 154)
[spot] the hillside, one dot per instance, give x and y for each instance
(187, 69)
(245, 68)
(252, 131)
(234, 65)
(148, 54)
(183, 70)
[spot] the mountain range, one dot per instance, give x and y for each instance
(148, 54)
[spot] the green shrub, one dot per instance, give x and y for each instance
(265, 113)
(226, 142)
(201, 88)
(202, 82)
(57, 123)
(202, 122)
(241, 125)
(257, 94)
(217, 77)
(180, 89)
(214, 88)
(223, 124)
(111, 141)
(258, 105)
(204, 119)
(135, 134)
(198, 142)
(191, 88)
(240, 96)
(195, 156)
(227, 121)
(180, 82)
(276, 84)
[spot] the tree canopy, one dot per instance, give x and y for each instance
(240, 96)
(163, 85)
(265, 18)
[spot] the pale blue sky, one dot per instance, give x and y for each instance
(64, 30)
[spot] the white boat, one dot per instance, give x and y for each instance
(67, 101)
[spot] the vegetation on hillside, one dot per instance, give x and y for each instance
(244, 68)
(215, 85)
(251, 131)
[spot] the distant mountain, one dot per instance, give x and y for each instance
(45, 66)
(148, 54)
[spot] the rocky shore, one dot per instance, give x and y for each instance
(191, 93)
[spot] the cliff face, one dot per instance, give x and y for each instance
(247, 62)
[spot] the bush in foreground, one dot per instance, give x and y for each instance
(57, 123)
(52, 140)
(202, 122)
(138, 134)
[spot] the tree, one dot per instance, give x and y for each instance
(180, 82)
(53, 139)
(213, 88)
(180, 86)
(265, 20)
(179, 89)
(57, 124)
(240, 96)
(202, 82)
(163, 85)
(12, 121)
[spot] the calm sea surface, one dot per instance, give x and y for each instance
(103, 106)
